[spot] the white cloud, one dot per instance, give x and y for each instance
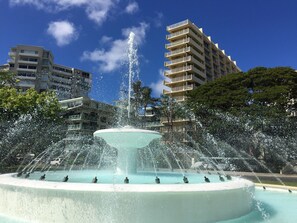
(64, 32)
(158, 19)
(158, 86)
(105, 39)
(132, 8)
(113, 58)
(96, 10)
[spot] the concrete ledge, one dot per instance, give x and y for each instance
(41, 201)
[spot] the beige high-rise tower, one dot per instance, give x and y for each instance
(193, 59)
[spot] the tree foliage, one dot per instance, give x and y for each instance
(7, 78)
(251, 112)
(141, 99)
(14, 103)
(29, 121)
(271, 88)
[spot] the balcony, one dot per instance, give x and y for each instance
(183, 88)
(177, 43)
(28, 62)
(177, 52)
(199, 72)
(177, 25)
(60, 85)
(26, 70)
(29, 54)
(196, 45)
(25, 84)
(180, 89)
(178, 70)
(196, 53)
(61, 80)
(177, 61)
(74, 117)
(190, 77)
(184, 60)
(74, 127)
(177, 34)
(22, 77)
(153, 124)
(62, 72)
(197, 63)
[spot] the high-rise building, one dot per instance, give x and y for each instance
(35, 68)
(193, 59)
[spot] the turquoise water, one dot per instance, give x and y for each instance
(274, 206)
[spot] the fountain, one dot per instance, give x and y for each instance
(128, 193)
(134, 202)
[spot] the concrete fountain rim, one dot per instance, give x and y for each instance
(235, 184)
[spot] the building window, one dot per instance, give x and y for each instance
(23, 66)
(32, 67)
(30, 52)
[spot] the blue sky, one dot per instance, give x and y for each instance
(92, 34)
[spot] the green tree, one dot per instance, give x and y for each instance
(272, 88)
(141, 100)
(29, 121)
(251, 111)
(147, 98)
(7, 78)
(14, 103)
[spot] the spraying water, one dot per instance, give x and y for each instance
(133, 67)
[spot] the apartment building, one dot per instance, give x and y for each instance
(84, 116)
(192, 60)
(35, 68)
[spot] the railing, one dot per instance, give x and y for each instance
(183, 50)
(183, 78)
(186, 40)
(185, 68)
(74, 117)
(62, 80)
(26, 69)
(179, 60)
(178, 24)
(74, 127)
(183, 88)
(151, 124)
(198, 45)
(28, 62)
(178, 33)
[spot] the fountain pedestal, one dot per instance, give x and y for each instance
(127, 141)
(127, 161)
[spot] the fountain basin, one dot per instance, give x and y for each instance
(44, 201)
(127, 137)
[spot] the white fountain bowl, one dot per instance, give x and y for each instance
(42, 201)
(127, 137)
